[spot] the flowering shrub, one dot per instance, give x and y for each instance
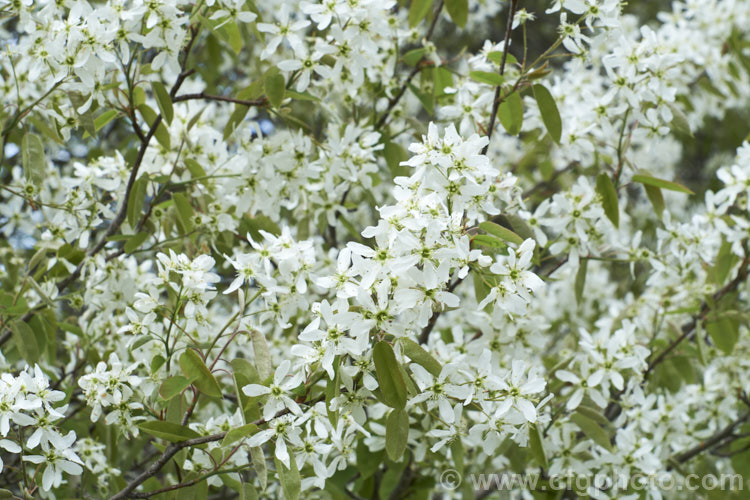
(284, 247)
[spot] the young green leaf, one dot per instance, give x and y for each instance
(501, 232)
(173, 386)
(262, 354)
(396, 434)
(163, 100)
(391, 382)
(607, 191)
(32, 158)
(174, 433)
(184, 211)
(592, 430)
(418, 10)
(536, 443)
(416, 353)
(289, 478)
(458, 10)
(487, 77)
(198, 374)
(660, 183)
(656, 198)
(26, 342)
(136, 199)
(510, 113)
(581, 279)
(497, 58)
(549, 111)
(275, 87)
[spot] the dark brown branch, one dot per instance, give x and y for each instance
(498, 89)
(716, 439)
(401, 91)
(210, 97)
(165, 457)
(425, 335)
(689, 328)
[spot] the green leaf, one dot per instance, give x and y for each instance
(700, 342)
(259, 464)
(237, 433)
(548, 109)
(418, 10)
(394, 154)
(416, 353)
(725, 260)
(198, 374)
(232, 36)
(102, 120)
(457, 453)
(488, 241)
(488, 77)
(425, 98)
(724, 333)
(592, 430)
(289, 478)
(679, 121)
(497, 58)
(26, 342)
(173, 386)
(195, 169)
(607, 191)
(244, 373)
(581, 279)
(136, 200)
(161, 133)
(262, 355)
(443, 79)
(184, 211)
(501, 232)
(458, 10)
(481, 289)
(660, 183)
(656, 198)
(510, 113)
(536, 443)
(396, 434)
(274, 86)
(163, 100)
(32, 158)
(391, 382)
(135, 241)
(413, 57)
(174, 433)
(333, 389)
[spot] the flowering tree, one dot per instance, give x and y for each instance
(260, 249)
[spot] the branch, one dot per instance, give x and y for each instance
(165, 457)
(497, 100)
(709, 443)
(395, 99)
(689, 327)
(210, 97)
(173, 448)
(425, 335)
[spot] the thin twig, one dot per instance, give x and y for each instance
(498, 89)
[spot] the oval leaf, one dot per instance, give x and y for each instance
(396, 434)
(549, 111)
(174, 433)
(198, 374)
(607, 191)
(389, 376)
(661, 183)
